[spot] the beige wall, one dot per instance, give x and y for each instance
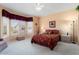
(64, 22)
(36, 24)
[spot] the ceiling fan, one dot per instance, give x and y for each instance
(39, 6)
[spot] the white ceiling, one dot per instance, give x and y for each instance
(29, 8)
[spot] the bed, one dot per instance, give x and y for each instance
(48, 39)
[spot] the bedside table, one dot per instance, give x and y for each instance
(66, 38)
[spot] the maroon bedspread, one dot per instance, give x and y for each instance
(49, 40)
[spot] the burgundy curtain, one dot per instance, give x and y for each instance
(16, 17)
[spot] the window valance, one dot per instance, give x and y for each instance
(17, 17)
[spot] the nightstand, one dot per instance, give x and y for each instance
(66, 38)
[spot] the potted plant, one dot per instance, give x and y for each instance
(77, 8)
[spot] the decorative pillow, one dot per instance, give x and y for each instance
(52, 31)
(55, 31)
(48, 32)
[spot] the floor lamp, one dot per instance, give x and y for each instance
(73, 41)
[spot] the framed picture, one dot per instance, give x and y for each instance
(52, 24)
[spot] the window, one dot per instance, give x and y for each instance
(29, 27)
(17, 27)
(14, 26)
(22, 27)
(5, 27)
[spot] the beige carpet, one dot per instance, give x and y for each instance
(26, 48)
